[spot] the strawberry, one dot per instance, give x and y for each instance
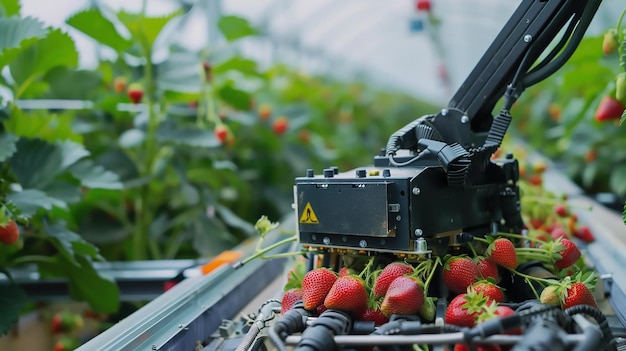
(373, 315)
(423, 5)
(535, 179)
(561, 210)
(428, 309)
(591, 155)
(489, 290)
(65, 343)
(9, 233)
(347, 294)
(404, 296)
(578, 294)
(487, 269)
(609, 109)
(464, 309)
(609, 42)
(221, 133)
(459, 272)
(264, 111)
(558, 232)
(290, 297)
(280, 125)
(550, 296)
(569, 255)
(584, 233)
(119, 84)
(315, 286)
(478, 347)
(387, 275)
(502, 252)
(620, 88)
(208, 71)
(135, 93)
(66, 321)
(494, 310)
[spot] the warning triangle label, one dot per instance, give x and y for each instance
(308, 215)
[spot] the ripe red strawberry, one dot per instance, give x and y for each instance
(609, 109)
(404, 296)
(578, 294)
(569, 255)
(9, 233)
(290, 297)
(478, 347)
(494, 310)
(423, 5)
(489, 290)
(584, 233)
(221, 133)
(66, 321)
(347, 294)
(135, 93)
(558, 232)
(487, 269)
(280, 125)
(315, 286)
(609, 42)
(561, 210)
(459, 272)
(373, 315)
(119, 84)
(65, 343)
(502, 252)
(387, 275)
(463, 309)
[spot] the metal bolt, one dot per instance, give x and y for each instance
(418, 232)
(444, 112)
(421, 245)
(154, 347)
(416, 191)
(326, 240)
(528, 38)
(464, 119)
(363, 243)
(398, 218)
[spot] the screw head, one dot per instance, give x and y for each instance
(326, 240)
(363, 243)
(416, 191)
(528, 38)
(464, 119)
(418, 232)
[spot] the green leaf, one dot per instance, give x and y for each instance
(56, 49)
(36, 162)
(92, 23)
(617, 180)
(7, 145)
(168, 133)
(180, 73)
(43, 125)
(17, 34)
(236, 63)
(63, 240)
(13, 301)
(30, 201)
(239, 99)
(145, 29)
(92, 175)
(9, 7)
(234, 27)
(71, 84)
(234, 221)
(87, 284)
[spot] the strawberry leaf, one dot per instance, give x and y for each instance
(617, 180)
(56, 49)
(41, 124)
(30, 201)
(13, 300)
(92, 175)
(145, 30)
(237, 98)
(180, 73)
(18, 34)
(9, 8)
(234, 27)
(7, 145)
(94, 24)
(243, 65)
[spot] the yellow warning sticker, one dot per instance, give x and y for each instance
(308, 215)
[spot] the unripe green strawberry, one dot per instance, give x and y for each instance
(347, 294)
(550, 296)
(609, 42)
(427, 311)
(620, 88)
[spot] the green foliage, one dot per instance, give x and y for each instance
(234, 27)
(94, 24)
(13, 301)
(18, 34)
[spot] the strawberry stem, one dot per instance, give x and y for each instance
(260, 253)
(368, 267)
(530, 277)
(521, 237)
(471, 247)
(436, 263)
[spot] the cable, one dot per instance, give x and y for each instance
(600, 318)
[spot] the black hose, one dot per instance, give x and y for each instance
(600, 318)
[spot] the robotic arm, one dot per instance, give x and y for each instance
(435, 181)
